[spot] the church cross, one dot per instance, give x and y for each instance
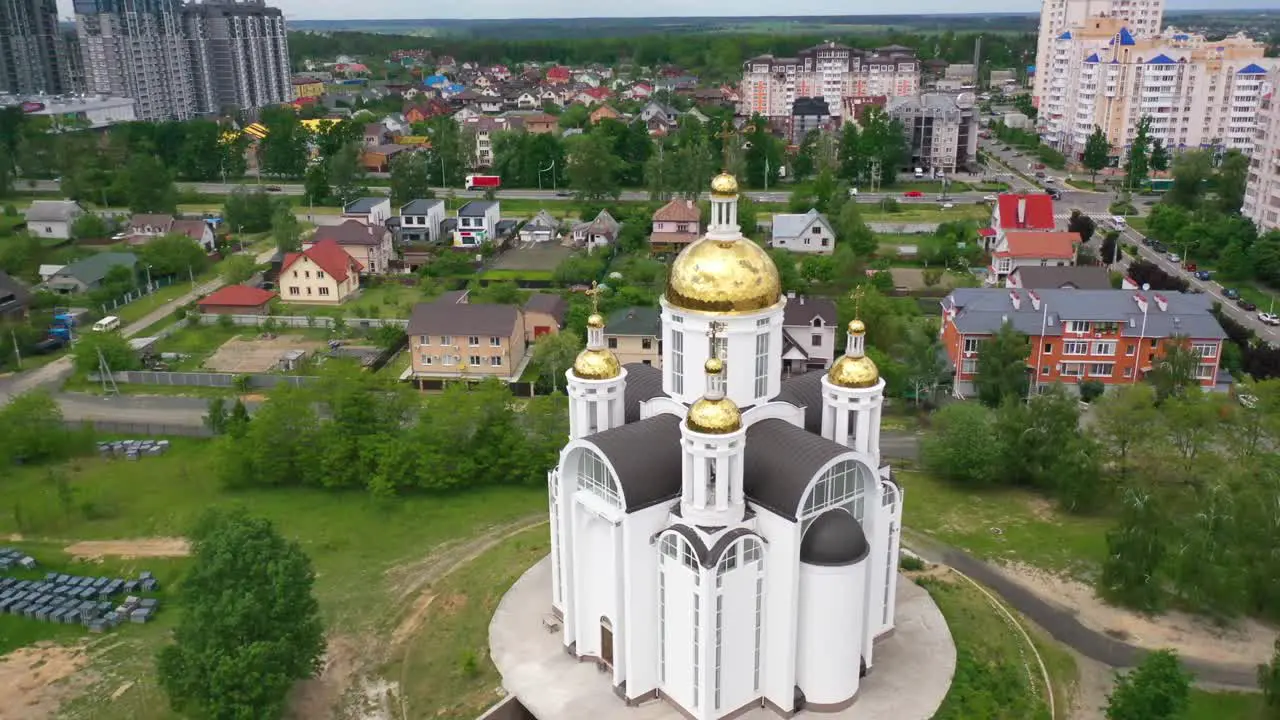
(727, 135)
(856, 296)
(713, 331)
(594, 294)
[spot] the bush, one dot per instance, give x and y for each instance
(1091, 390)
(1122, 208)
(910, 563)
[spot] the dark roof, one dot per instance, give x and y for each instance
(95, 267)
(646, 456)
(644, 382)
(1089, 277)
(802, 310)
(708, 557)
(13, 294)
(553, 305)
(476, 208)
(636, 320)
(351, 232)
(419, 207)
(984, 310)
(780, 461)
(805, 391)
(363, 205)
(465, 319)
(835, 538)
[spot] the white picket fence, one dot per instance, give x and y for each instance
(303, 321)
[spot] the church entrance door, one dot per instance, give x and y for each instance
(606, 642)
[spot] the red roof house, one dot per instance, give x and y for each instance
(1032, 248)
(237, 300)
(1023, 212)
(559, 75)
(323, 273)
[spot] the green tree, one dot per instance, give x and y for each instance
(763, 155)
(883, 141)
(110, 346)
(1269, 683)
(1191, 170)
(285, 229)
(854, 233)
(35, 431)
(90, 226)
(1138, 164)
(315, 186)
(1132, 572)
(963, 446)
(1124, 422)
(805, 161)
(216, 418)
(452, 152)
(174, 254)
(248, 211)
(1174, 371)
(593, 168)
(554, 353)
(250, 625)
(347, 174)
(147, 186)
(238, 269)
(1082, 224)
(410, 178)
(1158, 689)
(283, 151)
(1233, 175)
(1097, 153)
(574, 116)
(1159, 158)
(201, 155)
(922, 364)
(1002, 367)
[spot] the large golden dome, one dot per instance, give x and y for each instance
(723, 276)
(596, 365)
(714, 417)
(724, 185)
(854, 372)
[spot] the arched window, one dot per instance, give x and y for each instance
(675, 547)
(746, 555)
(841, 486)
(594, 477)
(675, 550)
(889, 494)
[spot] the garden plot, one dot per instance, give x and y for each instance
(257, 354)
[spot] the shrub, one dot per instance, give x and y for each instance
(1091, 390)
(910, 563)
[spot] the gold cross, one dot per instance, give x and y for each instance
(713, 331)
(728, 134)
(594, 294)
(857, 295)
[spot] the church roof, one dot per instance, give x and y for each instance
(646, 457)
(803, 391)
(835, 538)
(709, 556)
(780, 461)
(644, 382)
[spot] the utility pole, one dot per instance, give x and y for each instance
(17, 352)
(104, 371)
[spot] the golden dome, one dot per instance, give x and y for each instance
(854, 372)
(856, 327)
(713, 366)
(595, 320)
(724, 185)
(723, 276)
(596, 365)
(714, 417)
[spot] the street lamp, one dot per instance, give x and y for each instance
(149, 288)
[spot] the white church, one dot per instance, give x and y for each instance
(723, 539)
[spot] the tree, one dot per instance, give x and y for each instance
(1233, 175)
(1002, 367)
(1081, 224)
(410, 178)
(250, 626)
(963, 446)
(883, 141)
(1269, 683)
(238, 269)
(174, 254)
(147, 186)
(285, 229)
(805, 160)
(315, 186)
(109, 346)
(552, 355)
(922, 363)
(1097, 153)
(1174, 372)
(1158, 689)
(216, 418)
(34, 430)
(284, 150)
(452, 151)
(1131, 572)
(347, 174)
(1137, 167)
(90, 226)
(854, 233)
(248, 211)
(1159, 158)
(1191, 170)
(1123, 423)
(1108, 251)
(763, 156)
(593, 168)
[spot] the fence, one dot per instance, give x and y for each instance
(133, 295)
(118, 427)
(256, 381)
(303, 321)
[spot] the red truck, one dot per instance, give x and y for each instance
(483, 182)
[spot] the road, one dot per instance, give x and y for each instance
(1094, 204)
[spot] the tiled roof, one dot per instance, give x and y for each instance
(802, 311)
(1038, 214)
(463, 320)
(193, 229)
(158, 220)
(1034, 244)
(351, 232)
(678, 210)
(237, 296)
(329, 256)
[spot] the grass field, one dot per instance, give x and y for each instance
(391, 300)
(1224, 706)
(162, 496)
(927, 213)
(1003, 524)
(147, 304)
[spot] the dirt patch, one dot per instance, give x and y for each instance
(139, 548)
(1042, 509)
(316, 698)
(14, 537)
(35, 680)
(255, 355)
(1094, 682)
(413, 621)
(1248, 641)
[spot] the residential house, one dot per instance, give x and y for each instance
(543, 315)
(368, 210)
(490, 101)
(500, 72)
(87, 274)
(52, 218)
(601, 231)
(808, 334)
(237, 300)
(465, 114)
(375, 134)
(143, 227)
(477, 223)
(592, 95)
(638, 91)
(559, 75)
(396, 124)
(378, 158)
(1020, 248)
(675, 225)
(604, 112)
(420, 221)
(550, 95)
(1032, 211)
(426, 110)
(369, 245)
(1111, 336)
(1059, 277)
(634, 334)
(810, 114)
(544, 227)
(198, 230)
(659, 118)
(307, 87)
(322, 274)
(46, 271)
(15, 298)
(523, 100)
(465, 341)
(803, 232)
(541, 123)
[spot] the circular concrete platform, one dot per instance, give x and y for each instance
(912, 673)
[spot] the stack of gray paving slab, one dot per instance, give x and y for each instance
(75, 599)
(132, 449)
(11, 559)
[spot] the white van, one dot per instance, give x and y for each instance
(106, 324)
(1118, 222)
(919, 173)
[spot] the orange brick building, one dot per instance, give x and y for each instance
(1112, 336)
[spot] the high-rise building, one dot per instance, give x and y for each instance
(136, 48)
(1198, 93)
(1142, 17)
(941, 130)
(1262, 191)
(30, 44)
(239, 54)
(830, 71)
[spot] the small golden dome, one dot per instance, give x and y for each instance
(595, 320)
(596, 365)
(723, 276)
(714, 417)
(724, 185)
(854, 372)
(856, 327)
(714, 366)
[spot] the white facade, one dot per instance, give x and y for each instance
(420, 220)
(719, 569)
(1143, 17)
(830, 71)
(1262, 193)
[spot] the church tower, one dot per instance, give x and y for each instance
(713, 439)
(852, 397)
(596, 382)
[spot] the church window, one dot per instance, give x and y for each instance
(719, 633)
(677, 361)
(594, 477)
(759, 617)
(662, 624)
(687, 557)
(841, 487)
(711, 482)
(762, 364)
(697, 646)
(890, 567)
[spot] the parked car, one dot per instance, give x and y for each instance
(1247, 400)
(1268, 319)
(991, 198)
(1054, 194)
(947, 206)
(1246, 305)
(1189, 267)
(1040, 175)
(1202, 275)
(913, 194)
(1158, 246)
(1230, 293)
(1174, 257)
(1039, 166)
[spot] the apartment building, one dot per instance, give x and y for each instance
(1262, 192)
(1112, 336)
(831, 71)
(239, 55)
(32, 48)
(483, 128)
(1142, 17)
(941, 129)
(1197, 92)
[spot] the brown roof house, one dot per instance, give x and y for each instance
(675, 225)
(145, 227)
(237, 300)
(369, 245)
(544, 315)
(601, 231)
(464, 341)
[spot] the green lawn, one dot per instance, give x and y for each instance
(1009, 525)
(927, 213)
(385, 300)
(517, 275)
(1207, 705)
(147, 304)
(352, 538)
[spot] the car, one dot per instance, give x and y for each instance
(1039, 166)
(1174, 257)
(1158, 246)
(1202, 274)
(947, 206)
(1147, 241)
(1054, 194)
(1246, 305)
(1118, 221)
(1050, 179)
(1268, 319)
(913, 194)
(563, 193)
(991, 198)
(274, 188)
(1231, 293)
(1189, 267)
(1040, 174)
(853, 192)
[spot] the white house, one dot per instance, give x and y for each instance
(542, 228)
(807, 233)
(420, 220)
(52, 218)
(369, 210)
(808, 334)
(477, 222)
(714, 558)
